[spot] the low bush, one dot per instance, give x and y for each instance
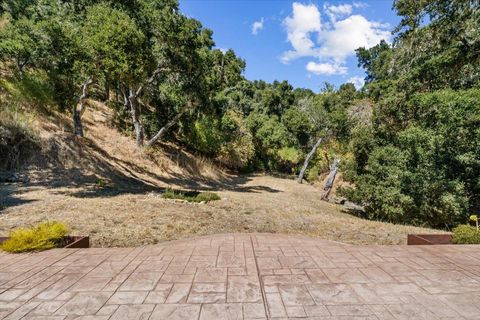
(46, 235)
(18, 140)
(289, 158)
(237, 149)
(465, 234)
(190, 196)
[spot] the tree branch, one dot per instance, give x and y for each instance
(169, 124)
(150, 80)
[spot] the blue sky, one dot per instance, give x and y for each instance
(306, 43)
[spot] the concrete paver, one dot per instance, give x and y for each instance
(243, 276)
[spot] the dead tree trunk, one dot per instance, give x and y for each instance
(308, 158)
(135, 112)
(331, 179)
(78, 112)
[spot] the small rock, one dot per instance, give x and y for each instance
(354, 207)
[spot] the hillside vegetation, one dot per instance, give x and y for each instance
(123, 96)
(103, 186)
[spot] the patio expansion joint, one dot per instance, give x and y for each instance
(260, 280)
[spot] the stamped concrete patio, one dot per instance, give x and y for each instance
(243, 276)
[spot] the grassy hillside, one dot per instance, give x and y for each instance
(102, 185)
(41, 146)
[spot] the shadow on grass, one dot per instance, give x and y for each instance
(111, 176)
(9, 196)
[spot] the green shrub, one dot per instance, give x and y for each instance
(289, 157)
(205, 135)
(238, 148)
(207, 196)
(19, 140)
(190, 196)
(464, 234)
(46, 235)
(313, 173)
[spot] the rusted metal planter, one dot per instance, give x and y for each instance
(69, 242)
(429, 239)
(77, 242)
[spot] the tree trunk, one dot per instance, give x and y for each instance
(132, 99)
(78, 112)
(331, 179)
(308, 158)
(134, 110)
(107, 87)
(77, 123)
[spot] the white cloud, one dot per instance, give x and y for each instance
(357, 81)
(333, 42)
(304, 20)
(325, 68)
(257, 26)
(361, 5)
(349, 34)
(335, 12)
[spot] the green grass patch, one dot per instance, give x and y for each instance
(465, 234)
(32, 90)
(190, 196)
(46, 235)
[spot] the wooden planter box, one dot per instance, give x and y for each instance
(70, 242)
(429, 239)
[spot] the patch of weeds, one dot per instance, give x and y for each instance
(46, 235)
(101, 183)
(190, 196)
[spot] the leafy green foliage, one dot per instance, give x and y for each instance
(289, 158)
(417, 160)
(190, 196)
(298, 124)
(205, 135)
(112, 42)
(238, 149)
(46, 235)
(432, 170)
(465, 234)
(157, 69)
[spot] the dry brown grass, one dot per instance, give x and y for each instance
(103, 186)
(254, 204)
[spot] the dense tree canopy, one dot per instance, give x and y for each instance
(418, 159)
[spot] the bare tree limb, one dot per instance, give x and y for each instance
(309, 157)
(331, 178)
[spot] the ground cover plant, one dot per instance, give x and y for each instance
(465, 234)
(46, 235)
(190, 196)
